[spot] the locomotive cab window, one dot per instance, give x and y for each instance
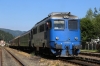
(48, 25)
(59, 24)
(73, 24)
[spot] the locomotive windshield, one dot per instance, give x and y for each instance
(59, 24)
(73, 24)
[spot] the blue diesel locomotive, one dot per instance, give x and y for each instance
(59, 34)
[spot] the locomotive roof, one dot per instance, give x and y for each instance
(62, 15)
(59, 15)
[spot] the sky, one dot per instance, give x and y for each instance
(24, 14)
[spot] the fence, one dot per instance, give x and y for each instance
(89, 46)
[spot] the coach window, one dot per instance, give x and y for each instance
(48, 25)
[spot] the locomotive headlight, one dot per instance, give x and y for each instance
(76, 38)
(57, 38)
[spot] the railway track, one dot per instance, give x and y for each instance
(85, 59)
(0, 57)
(81, 61)
(90, 54)
(11, 55)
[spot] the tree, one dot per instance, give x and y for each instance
(91, 29)
(89, 14)
(95, 12)
(97, 25)
(87, 29)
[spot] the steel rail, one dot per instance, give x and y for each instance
(22, 63)
(0, 57)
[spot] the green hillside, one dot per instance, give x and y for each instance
(13, 32)
(5, 36)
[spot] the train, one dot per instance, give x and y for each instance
(58, 34)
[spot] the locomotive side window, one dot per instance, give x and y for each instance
(59, 24)
(41, 28)
(34, 30)
(73, 24)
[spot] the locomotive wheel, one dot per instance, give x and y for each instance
(36, 50)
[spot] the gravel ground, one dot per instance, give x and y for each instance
(38, 61)
(7, 59)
